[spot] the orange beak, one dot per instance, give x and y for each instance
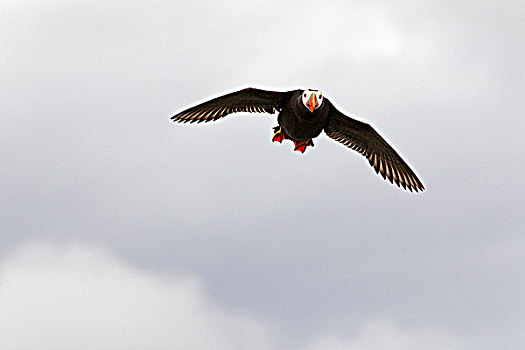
(312, 102)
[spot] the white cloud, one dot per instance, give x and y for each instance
(84, 298)
(79, 297)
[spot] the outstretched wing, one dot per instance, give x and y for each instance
(246, 100)
(362, 138)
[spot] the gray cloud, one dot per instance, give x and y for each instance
(313, 244)
(55, 297)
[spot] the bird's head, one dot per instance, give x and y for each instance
(312, 99)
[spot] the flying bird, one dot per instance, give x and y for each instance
(303, 115)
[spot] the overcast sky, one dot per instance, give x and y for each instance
(121, 230)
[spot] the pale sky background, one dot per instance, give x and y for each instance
(121, 230)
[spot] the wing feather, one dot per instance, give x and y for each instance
(381, 156)
(246, 100)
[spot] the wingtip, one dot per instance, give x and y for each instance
(419, 188)
(174, 118)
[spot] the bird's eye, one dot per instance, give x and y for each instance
(320, 96)
(304, 95)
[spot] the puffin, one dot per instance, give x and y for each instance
(302, 115)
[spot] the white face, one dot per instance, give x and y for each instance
(312, 102)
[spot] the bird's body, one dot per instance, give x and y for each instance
(303, 115)
(298, 122)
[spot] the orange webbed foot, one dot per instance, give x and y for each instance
(279, 135)
(300, 145)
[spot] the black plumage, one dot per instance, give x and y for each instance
(303, 115)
